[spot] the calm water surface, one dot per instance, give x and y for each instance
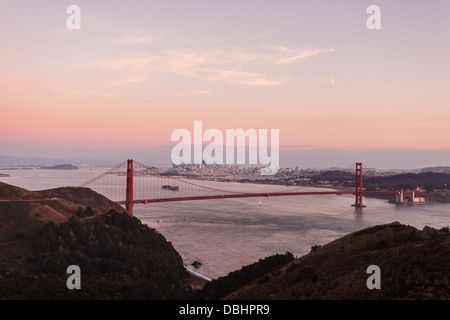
(226, 234)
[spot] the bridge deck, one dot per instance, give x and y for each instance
(252, 195)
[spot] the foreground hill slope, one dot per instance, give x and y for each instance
(83, 196)
(414, 264)
(23, 213)
(119, 257)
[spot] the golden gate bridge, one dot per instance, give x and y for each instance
(132, 182)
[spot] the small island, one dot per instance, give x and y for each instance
(60, 167)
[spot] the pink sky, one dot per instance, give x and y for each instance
(136, 71)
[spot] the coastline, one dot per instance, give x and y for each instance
(196, 281)
(197, 276)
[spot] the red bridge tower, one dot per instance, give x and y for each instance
(358, 187)
(129, 204)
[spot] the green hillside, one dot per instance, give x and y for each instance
(414, 264)
(119, 257)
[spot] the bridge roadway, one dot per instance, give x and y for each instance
(252, 195)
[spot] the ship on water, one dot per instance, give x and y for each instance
(170, 187)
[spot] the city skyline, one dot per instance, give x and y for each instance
(135, 72)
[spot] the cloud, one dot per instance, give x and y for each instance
(194, 93)
(240, 77)
(185, 63)
(230, 64)
(137, 37)
(289, 56)
(259, 81)
(133, 63)
(137, 79)
(130, 40)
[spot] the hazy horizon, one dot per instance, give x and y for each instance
(289, 157)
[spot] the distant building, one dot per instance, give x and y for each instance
(268, 171)
(413, 196)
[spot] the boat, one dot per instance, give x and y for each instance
(170, 187)
(260, 203)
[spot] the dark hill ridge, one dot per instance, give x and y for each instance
(42, 235)
(414, 265)
(82, 196)
(8, 191)
(30, 210)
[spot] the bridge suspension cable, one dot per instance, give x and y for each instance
(132, 182)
